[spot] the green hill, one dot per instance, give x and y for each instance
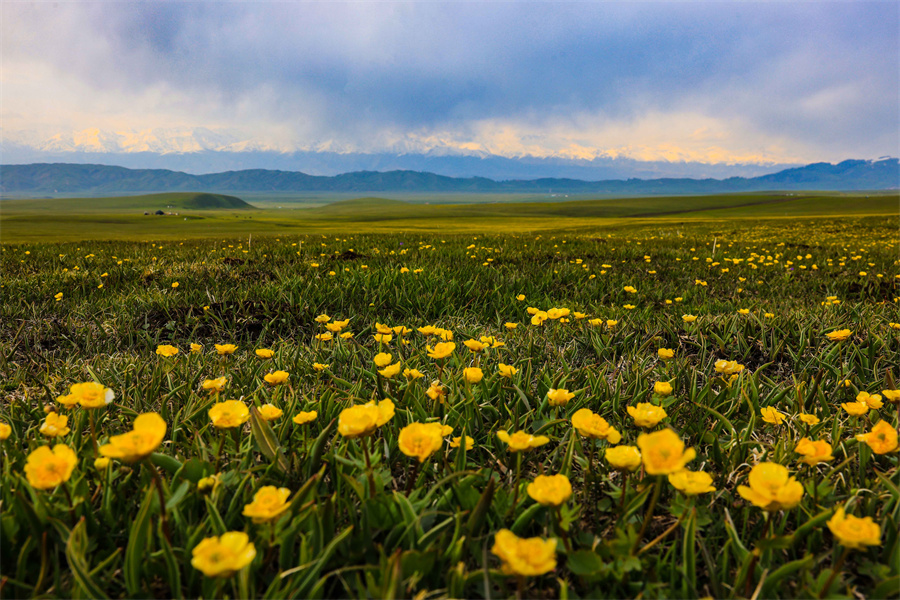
(166, 202)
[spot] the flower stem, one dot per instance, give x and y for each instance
(516, 487)
(834, 571)
(371, 478)
(648, 516)
(562, 532)
(162, 499)
(412, 478)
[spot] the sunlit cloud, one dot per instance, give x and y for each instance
(716, 83)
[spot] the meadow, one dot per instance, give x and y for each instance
(599, 401)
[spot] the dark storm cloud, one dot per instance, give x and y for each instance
(826, 73)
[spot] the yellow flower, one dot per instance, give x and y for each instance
(771, 415)
(491, 341)
(813, 452)
(101, 463)
(89, 395)
(855, 408)
(382, 359)
(225, 349)
(166, 350)
(623, 458)
(58, 296)
(207, 485)
(214, 385)
(688, 318)
(264, 353)
(231, 413)
(550, 490)
(520, 297)
(611, 323)
(146, 435)
(323, 318)
(728, 367)
(362, 419)
(665, 353)
(389, 371)
(743, 311)
(195, 348)
(539, 318)
(630, 289)
(853, 532)
(268, 503)
(872, 400)
(46, 468)
(891, 395)
(662, 388)
(510, 325)
(663, 452)
(427, 330)
(809, 419)
(319, 367)
(771, 488)
(524, 556)
(420, 440)
(222, 556)
(174, 284)
(270, 412)
(55, 425)
(413, 374)
(646, 414)
(691, 483)
(277, 377)
(383, 338)
(5, 431)
(559, 397)
(557, 313)
(839, 335)
(325, 337)
(346, 335)
(473, 374)
(457, 442)
(440, 350)
(520, 440)
(882, 439)
(436, 392)
(475, 345)
(506, 370)
(592, 425)
(302, 418)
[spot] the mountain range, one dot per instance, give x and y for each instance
(203, 150)
(65, 178)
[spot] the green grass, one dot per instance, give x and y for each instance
(364, 520)
(123, 218)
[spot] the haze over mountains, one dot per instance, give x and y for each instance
(36, 179)
(202, 150)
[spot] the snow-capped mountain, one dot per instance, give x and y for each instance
(205, 150)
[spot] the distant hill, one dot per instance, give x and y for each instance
(62, 178)
(166, 202)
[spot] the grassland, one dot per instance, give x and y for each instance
(586, 298)
(75, 219)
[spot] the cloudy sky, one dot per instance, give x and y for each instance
(711, 82)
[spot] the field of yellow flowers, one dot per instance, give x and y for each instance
(657, 411)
